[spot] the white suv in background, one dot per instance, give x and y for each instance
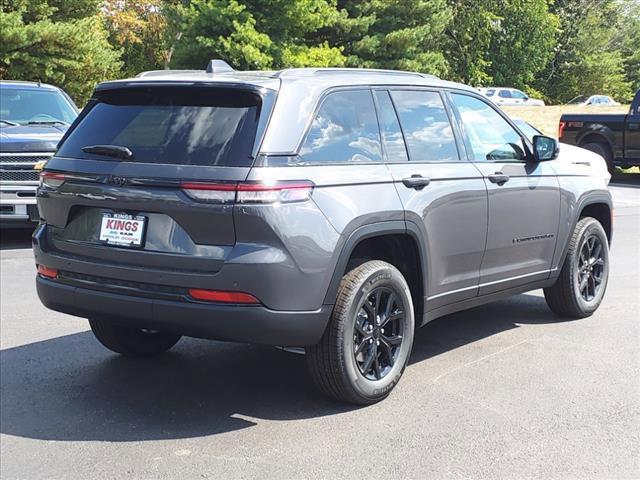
(510, 96)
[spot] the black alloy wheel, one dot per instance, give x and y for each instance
(590, 268)
(377, 335)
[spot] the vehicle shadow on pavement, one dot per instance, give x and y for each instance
(71, 389)
(626, 180)
(15, 238)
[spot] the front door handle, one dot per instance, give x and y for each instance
(418, 182)
(634, 126)
(499, 178)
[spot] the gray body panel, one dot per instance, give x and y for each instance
(523, 224)
(477, 240)
(454, 249)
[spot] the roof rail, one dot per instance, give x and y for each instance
(219, 66)
(160, 73)
(315, 71)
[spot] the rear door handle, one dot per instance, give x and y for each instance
(499, 178)
(417, 182)
(634, 126)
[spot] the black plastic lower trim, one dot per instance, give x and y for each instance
(252, 324)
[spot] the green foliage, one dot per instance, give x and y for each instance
(522, 45)
(72, 54)
(627, 40)
(467, 41)
(145, 30)
(256, 35)
(397, 35)
(586, 61)
(555, 49)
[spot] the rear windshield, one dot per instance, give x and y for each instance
(170, 125)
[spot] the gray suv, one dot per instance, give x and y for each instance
(331, 209)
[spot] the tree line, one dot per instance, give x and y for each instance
(554, 49)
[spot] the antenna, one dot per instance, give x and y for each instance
(219, 66)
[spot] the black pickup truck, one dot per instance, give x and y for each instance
(615, 136)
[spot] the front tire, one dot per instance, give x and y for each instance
(131, 341)
(583, 279)
(368, 340)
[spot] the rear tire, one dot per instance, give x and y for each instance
(131, 341)
(366, 345)
(583, 279)
(604, 151)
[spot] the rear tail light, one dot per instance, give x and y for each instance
(274, 192)
(52, 179)
(561, 126)
(47, 271)
(220, 296)
(210, 192)
(283, 192)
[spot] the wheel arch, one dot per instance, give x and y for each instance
(602, 135)
(374, 236)
(597, 205)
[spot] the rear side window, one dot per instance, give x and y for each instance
(505, 93)
(171, 125)
(426, 126)
(390, 128)
(344, 130)
(490, 93)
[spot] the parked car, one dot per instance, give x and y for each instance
(331, 209)
(33, 118)
(602, 100)
(510, 97)
(614, 136)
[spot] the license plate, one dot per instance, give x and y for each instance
(122, 230)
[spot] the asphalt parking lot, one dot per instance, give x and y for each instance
(506, 390)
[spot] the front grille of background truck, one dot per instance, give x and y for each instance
(18, 167)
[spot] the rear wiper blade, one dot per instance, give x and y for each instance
(115, 151)
(48, 122)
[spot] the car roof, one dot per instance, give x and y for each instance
(27, 85)
(273, 80)
(299, 90)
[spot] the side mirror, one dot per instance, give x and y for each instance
(545, 148)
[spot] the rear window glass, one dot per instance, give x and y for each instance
(426, 126)
(196, 126)
(344, 130)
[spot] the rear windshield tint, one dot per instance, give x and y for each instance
(171, 125)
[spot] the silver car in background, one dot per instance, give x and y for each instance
(510, 97)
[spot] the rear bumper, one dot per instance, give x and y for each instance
(253, 324)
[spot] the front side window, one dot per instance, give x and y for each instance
(426, 126)
(505, 94)
(491, 137)
(345, 130)
(518, 94)
(390, 128)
